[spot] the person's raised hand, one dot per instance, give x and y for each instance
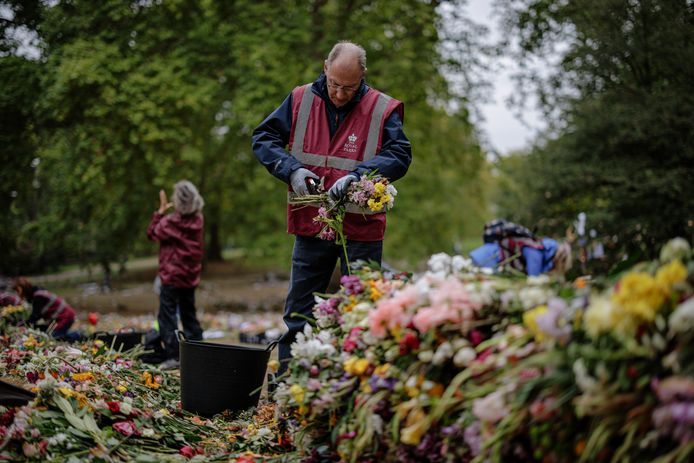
(298, 180)
(164, 204)
(339, 188)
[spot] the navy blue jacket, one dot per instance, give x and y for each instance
(271, 138)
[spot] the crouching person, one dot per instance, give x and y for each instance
(50, 307)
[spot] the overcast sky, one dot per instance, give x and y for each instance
(501, 128)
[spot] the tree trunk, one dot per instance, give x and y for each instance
(214, 248)
(106, 284)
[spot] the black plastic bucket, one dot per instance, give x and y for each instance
(219, 377)
(120, 341)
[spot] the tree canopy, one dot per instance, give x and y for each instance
(620, 99)
(128, 97)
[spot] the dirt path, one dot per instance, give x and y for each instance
(224, 286)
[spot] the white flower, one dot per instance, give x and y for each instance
(539, 280)
(443, 353)
(584, 381)
(148, 432)
(464, 357)
(490, 408)
(440, 263)
(57, 439)
(426, 356)
(532, 296)
(460, 263)
(126, 407)
(676, 248)
(682, 319)
(313, 347)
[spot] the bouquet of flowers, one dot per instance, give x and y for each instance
(372, 192)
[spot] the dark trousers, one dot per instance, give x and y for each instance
(183, 299)
(313, 262)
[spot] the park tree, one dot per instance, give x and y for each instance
(620, 146)
(128, 97)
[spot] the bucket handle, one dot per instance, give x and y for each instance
(272, 345)
(180, 336)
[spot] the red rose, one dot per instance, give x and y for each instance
(113, 406)
(93, 318)
(408, 343)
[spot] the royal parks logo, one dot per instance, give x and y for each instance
(351, 145)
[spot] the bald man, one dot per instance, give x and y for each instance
(336, 129)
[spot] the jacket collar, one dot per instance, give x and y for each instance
(320, 88)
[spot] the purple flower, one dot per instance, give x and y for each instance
(327, 234)
(352, 284)
(473, 437)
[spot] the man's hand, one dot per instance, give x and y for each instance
(163, 202)
(298, 180)
(339, 189)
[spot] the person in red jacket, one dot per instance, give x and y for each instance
(180, 236)
(48, 306)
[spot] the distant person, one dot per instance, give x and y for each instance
(9, 299)
(48, 306)
(515, 245)
(180, 235)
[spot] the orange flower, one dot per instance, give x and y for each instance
(149, 380)
(88, 376)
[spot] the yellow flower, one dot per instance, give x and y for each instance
(67, 392)
(83, 376)
(355, 366)
(639, 295)
(375, 294)
(149, 381)
(374, 205)
(10, 309)
(671, 274)
(604, 316)
(530, 321)
(396, 332)
(350, 306)
(121, 388)
(382, 370)
(417, 425)
(379, 188)
(273, 365)
(298, 393)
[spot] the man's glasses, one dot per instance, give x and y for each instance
(344, 88)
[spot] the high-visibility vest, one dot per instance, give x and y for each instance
(55, 308)
(358, 139)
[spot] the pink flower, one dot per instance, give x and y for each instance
(187, 451)
(30, 450)
(392, 313)
(127, 428)
(450, 302)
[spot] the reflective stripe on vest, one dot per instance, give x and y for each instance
(320, 160)
(49, 309)
(349, 207)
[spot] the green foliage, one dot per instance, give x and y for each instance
(622, 146)
(127, 98)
